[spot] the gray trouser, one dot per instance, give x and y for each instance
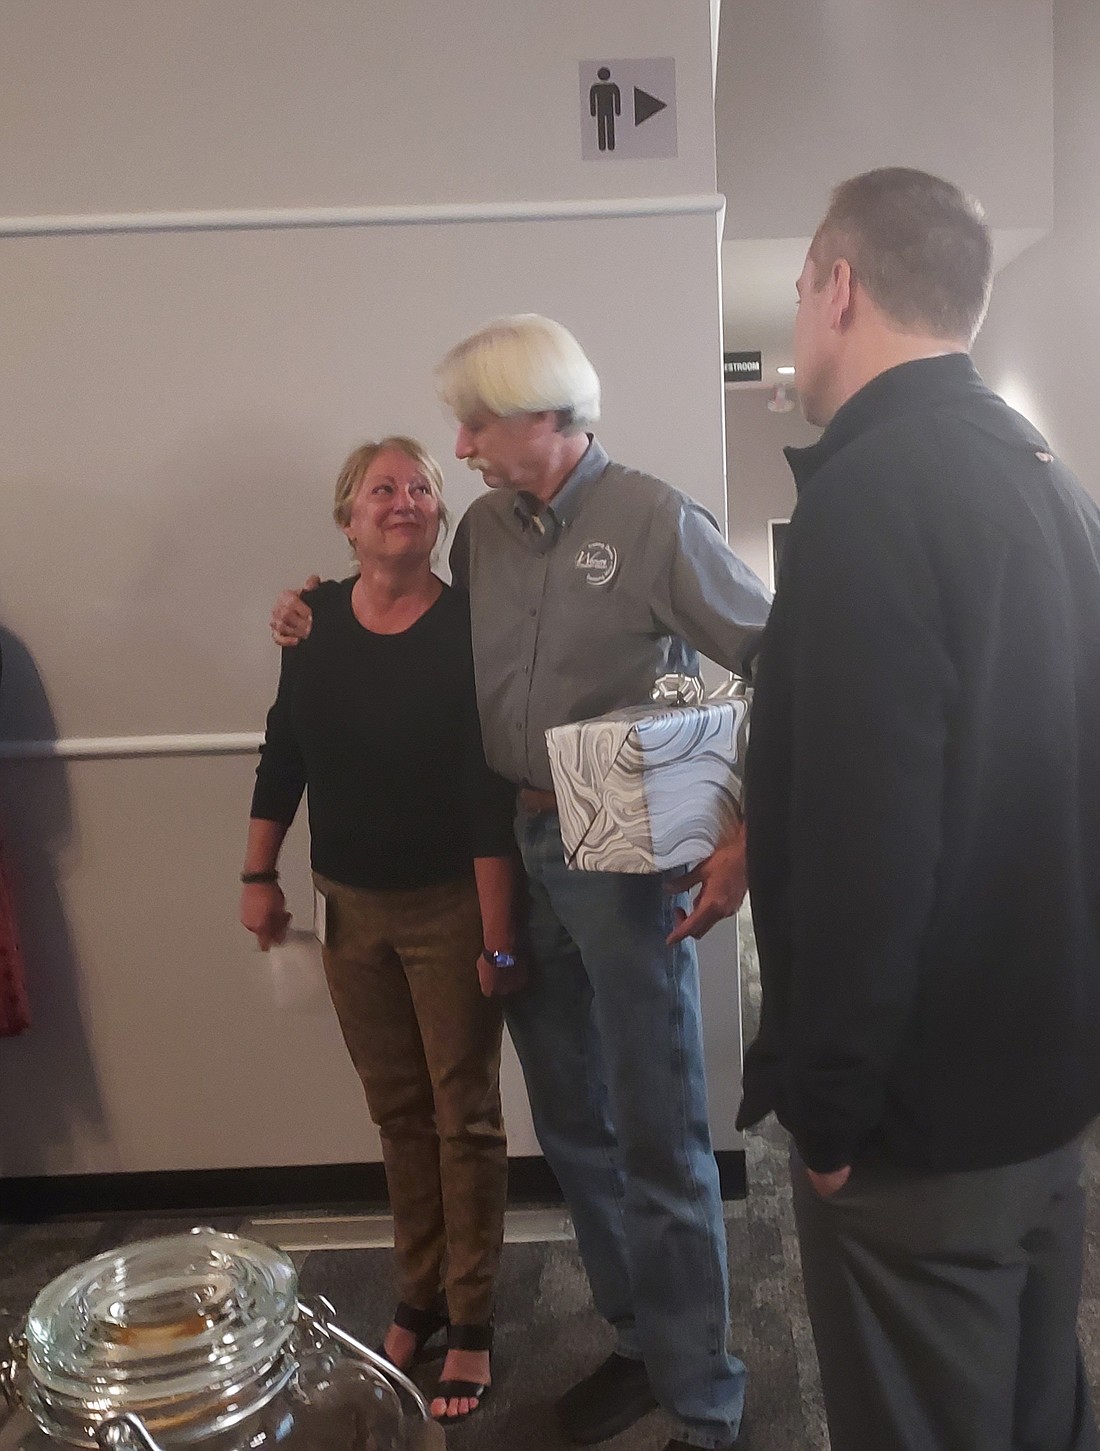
(944, 1307)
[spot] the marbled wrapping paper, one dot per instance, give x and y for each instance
(650, 788)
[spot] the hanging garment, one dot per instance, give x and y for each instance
(14, 1009)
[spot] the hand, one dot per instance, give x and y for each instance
(291, 620)
(827, 1184)
(723, 880)
(263, 912)
(500, 982)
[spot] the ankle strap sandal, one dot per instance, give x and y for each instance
(422, 1324)
(465, 1337)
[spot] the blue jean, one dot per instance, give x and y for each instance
(609, 1035)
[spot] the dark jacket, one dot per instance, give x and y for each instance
(923, 788)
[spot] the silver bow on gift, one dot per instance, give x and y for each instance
(677, 690)
(688, 690)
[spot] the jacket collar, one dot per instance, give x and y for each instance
(898, 390)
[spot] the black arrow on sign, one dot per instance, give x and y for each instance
(645, 105)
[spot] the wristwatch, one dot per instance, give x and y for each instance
(499, 959)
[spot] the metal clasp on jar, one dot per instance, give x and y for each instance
(9, 1371)
(428, 1434)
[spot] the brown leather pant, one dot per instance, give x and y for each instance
(402, 971)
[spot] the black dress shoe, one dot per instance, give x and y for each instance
(606, 1402)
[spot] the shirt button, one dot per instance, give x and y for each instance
(1044, 457)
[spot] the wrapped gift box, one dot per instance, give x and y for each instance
(650, 788)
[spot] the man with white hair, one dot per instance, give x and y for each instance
(588, 581)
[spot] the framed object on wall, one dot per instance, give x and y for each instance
(777, 535)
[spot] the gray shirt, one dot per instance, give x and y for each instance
(578, 608)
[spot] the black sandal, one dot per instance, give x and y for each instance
(423, 1324)
(465, 1337)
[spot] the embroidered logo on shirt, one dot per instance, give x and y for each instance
(599, 562)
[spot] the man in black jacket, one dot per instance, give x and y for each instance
(923, 816)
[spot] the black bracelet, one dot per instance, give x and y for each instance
(251, 879)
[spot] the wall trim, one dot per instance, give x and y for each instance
(302, 1186)
(112, 747)
(405, 214)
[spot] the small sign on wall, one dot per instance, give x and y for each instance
(628, 109)
(742, 367)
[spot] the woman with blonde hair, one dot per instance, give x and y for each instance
(412, 851)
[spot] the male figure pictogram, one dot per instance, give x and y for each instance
(605, 103)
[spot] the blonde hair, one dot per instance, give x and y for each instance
(359, 461)
(918, 244)
(521, 364)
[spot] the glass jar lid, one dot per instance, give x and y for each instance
(161, 1328)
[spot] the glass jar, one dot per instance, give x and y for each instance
(199, 1340)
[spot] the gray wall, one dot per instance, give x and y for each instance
(809, 93)
(176, 404)
(1040, 345)
(759, 479)
(999, 95)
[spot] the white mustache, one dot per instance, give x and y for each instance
(477, 464)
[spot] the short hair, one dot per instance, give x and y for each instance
(917, 243)
(521, 364)
(359, 461)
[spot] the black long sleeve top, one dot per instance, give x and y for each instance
(382, 733)
(923, 789)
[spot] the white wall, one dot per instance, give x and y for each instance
(1040, 345)
(149, 104)
(994, 95)
(760, 483)
(809, 93)
(188, 398)
(176, 405)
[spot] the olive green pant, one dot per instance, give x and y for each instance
(402, 972)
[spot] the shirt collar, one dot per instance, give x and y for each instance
(898, 390)
(565, 503)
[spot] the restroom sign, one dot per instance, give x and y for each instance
(628, 109)
(742, 367)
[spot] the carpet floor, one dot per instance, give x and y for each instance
(547, 1333)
